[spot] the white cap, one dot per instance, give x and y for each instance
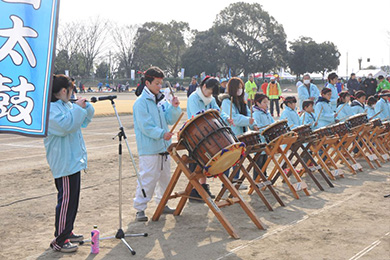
(272, 77)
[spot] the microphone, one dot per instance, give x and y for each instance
(95, 99)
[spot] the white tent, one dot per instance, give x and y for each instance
(375, 73)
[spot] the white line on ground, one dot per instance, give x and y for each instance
(369, 248)
(291, 224)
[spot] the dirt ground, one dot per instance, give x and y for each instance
(349, 221)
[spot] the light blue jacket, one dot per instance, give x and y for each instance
(345, 112)
(357, 108)
(310, 119)
(195, 105)
(151, 123)
(64, 144)
(291, 116)
(303, 94)
(262, 119)
(385, 107)
(334, 97)
(327, 114)
(371, 113)
(240, 121)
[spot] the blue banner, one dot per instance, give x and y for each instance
(27, 46)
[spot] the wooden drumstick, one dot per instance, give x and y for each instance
(341, 108)
(178, 120)
(170, 89)
(251, 108)
(375, 115)
(303, 118)
(231, 107)
(318, 118)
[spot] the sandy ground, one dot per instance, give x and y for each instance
(350, 221)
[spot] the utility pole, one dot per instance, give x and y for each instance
(347, 67)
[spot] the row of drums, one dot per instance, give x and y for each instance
(214, 146)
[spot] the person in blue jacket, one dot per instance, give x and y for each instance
(325, 113)
(357, 104)
(262, 118)
(307, 91)
(371, 103)
(290, 112)
(332, 80)
(200, 100)
(151, 119)
(308, 117)
(240, 111)
(67, 157)
(383, 106)
(344, 110)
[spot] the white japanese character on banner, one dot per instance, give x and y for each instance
(16, 35)
(4, 97)
(35, 3)
(23, 111)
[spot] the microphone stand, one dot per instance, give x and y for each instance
(120, 234)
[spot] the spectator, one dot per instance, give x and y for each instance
(264, 87)
(274, 92)
(339, 85)
(370, 85)
(223, 86)
(251, 87)
(383, 84)
(307, 91)
(192, 87)
(353, 84)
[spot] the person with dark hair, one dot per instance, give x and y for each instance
(307, 91)
(371, 102)
(352, 84)
(344, 110)
(308, 117)
(290, 112)
(383, 84)
(339, 85)
(370, 85)
(192, 87)
(151, 118)
(274, 92)
(383, 106)
(202, 100)
(240, 111)
(67, 157)
(262, 118)
(140, 87)
(223, 87)
(332, 80)
(264, 87)
(325, 113)
(216, 91)
(357, 104)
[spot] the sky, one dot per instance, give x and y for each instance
(360, 29)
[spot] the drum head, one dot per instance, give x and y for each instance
(225, 159)
(284, 121)
(201, 114)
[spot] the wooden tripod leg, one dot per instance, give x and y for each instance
(307, 169)
(315, 150)
(167, 194)
(340, 156)
(336, 171)
(296, 175)
(231, 176)
(372, 147)
(285, 178)
(362, 153)
(245, 206)
(263, 178)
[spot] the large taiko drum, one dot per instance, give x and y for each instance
(275, 130)
(340, 129)
(210, 142)
(386, 124)
(376, 122)
(323, 131)
(357, 120)
(250, 138)
(303, 131)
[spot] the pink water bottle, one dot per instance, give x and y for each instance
(95, 240)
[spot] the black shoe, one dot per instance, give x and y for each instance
(195, 197)
(207, 189)
(75, 238)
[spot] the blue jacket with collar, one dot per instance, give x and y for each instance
(291, 116)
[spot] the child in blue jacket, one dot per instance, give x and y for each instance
(332, 80)
(357, 105)
(371, 103)
(344, 110)
(151, 119)
(324, 111)
(67, 156)
(308, 117)
(290, 112)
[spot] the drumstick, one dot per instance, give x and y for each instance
(231, 107)
(251, 109)
(341, 108)
(303, 118)
(170, 89)
(318, 118)
(178, 120)
(374, 115)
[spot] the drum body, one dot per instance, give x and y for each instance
(386, 124)
(275, 130)
(210, 142)
(250, 138)
(323, 131)
(376, 122)
(357, 120)
(340, 129)
(303, 131)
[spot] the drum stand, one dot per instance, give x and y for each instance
(245, 175)
(274, 148)
(120, 234)
(193, 177)
(300, 143)
(375, 138)
(366, 135)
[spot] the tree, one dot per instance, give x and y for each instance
(102, 70)
(329, 57)
(257, 35)
(161, 45)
